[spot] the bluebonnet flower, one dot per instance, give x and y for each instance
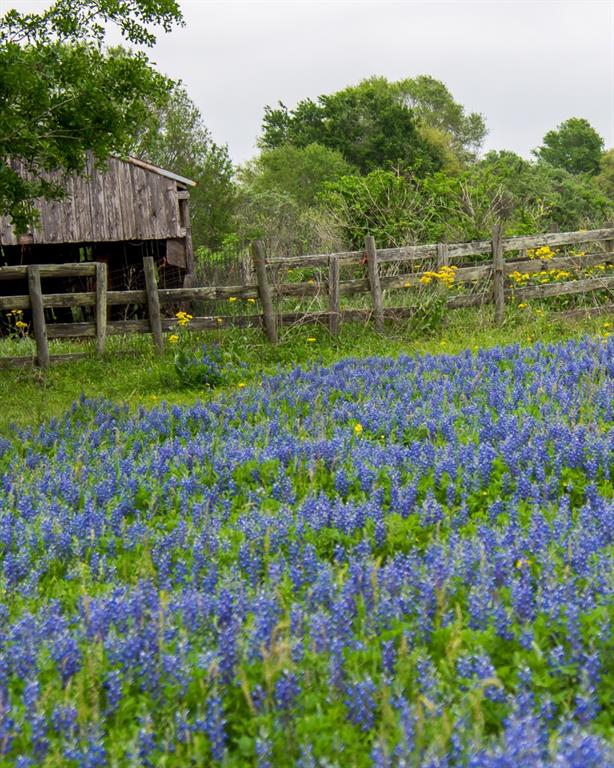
(360, 703)
(214, 726)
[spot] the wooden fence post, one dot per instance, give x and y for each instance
(264, 290)
(497, 271)
(609, 244)
(101, 305)
(334, 305)
(153, 301)
(443, 257)
(38, 315)
(374, 282)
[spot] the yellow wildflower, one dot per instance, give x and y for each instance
(522, 305)
(311, 339)
(251, 301)
(358, 429)
(183, 318)
(173, 338)
(545, 253)
(232, 298)
(241, 384)
(20, 324)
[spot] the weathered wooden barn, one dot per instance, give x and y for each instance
(117, 213)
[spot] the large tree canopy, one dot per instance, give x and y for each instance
(575, 146)
(436, 109)
(62, 93)
(368, 124)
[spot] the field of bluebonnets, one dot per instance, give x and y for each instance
(383, 562)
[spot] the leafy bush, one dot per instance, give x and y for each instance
(202, 368)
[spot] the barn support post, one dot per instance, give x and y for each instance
(498, 282)
(264, 289)
(374, 282)
(153, 302)
(334, 304)
(101, 306)
(184, 215)
(38, 315)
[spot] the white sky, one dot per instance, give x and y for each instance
(525, 64)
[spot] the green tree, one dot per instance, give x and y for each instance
(605, 178)
(298, 171)
(575, 146)
(63, 93)
(176, 137)
(435, 108)
(368, 124)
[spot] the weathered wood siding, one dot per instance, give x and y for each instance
(120, 201)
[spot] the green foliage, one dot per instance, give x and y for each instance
(174, 136)
(435, 108)
(79, 19)
(542, 197)
(62, 93)
(297, 171)
(398, 210)
(605, 178)
(383, 204)
(574, 146)
(368, 124)
(199, 369)
(531, 197)
(286, 227)
(416, 178)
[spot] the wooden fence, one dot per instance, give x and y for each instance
(491, 273)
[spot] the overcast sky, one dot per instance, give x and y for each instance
(525, 65)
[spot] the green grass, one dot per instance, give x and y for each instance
(131, 372)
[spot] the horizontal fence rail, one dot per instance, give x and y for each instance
(346, 287)
(493, 271)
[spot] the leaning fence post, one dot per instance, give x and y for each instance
(38, 315)
(497, 271)
(270, 323)
(374, 282)
(334, 304)
(153, 301)
(101, 305)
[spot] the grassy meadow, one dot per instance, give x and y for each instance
(132, 372)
